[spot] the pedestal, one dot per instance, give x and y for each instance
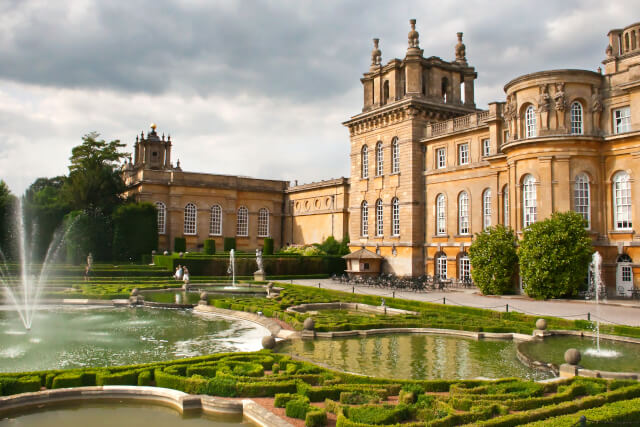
(258, 275)
(568, 371)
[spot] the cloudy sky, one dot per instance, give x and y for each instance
(254, 88)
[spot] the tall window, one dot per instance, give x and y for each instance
(441, 266)
(364, 160)
(215, 223)
(463, 154)
(379, 159)
(576, 119)
(364, 219)
(441, 158)
(441, 214)
(582, 198)
(162, 217)
(463, 213)
(621, 120)
(505, 206)
(486, 147)
(530, 122)
(622, 201)
(395, 217)
(395, 156)
(486, 208)
(465, 267)
(190, 216)
(242, 227)
(529, 201)
(263, 222)
(379, 218)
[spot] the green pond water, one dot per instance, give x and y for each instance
(116, 414)
(70, 337)
(613, 356)
(410, 356)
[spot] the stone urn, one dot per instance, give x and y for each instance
(309, 324)
(268, 342)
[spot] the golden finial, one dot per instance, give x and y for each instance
(153, 126)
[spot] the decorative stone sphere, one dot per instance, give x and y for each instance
(181, 254)
(541, 324)
(268, 342)
(165, 253)
(204, 295)
(572, 356)
(134, 292)
(153, 252)
(309, 324)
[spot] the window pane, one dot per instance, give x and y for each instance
(582, 198)
(486, 208)
(463, 213)
(190, 214)
(242, 228)
(395, 217)
(576, 118)
(162, 215)
(395, 156)
(441, 223)
(364, 220)
(263, 222)
(530, 122)
(530, 203)
(215, 224)
(379, 218)
(365, 162)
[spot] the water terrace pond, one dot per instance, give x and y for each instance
(70, 337)
(97, 414)
(411, 356)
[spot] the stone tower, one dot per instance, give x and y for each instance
(152, 152)
(387, 208)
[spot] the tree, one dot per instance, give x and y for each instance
(494, 259)
(95, 182)
(7, 224)
(135, 231)
(554, 256)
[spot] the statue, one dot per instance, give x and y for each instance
(544, 105)
(559, 104)
(461, 50)
(596, 107)
(413, 35)
(376, 54)
(510, 113)
(259, 275)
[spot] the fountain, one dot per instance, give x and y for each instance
(25, 299)
(232, 268)
(596, 277)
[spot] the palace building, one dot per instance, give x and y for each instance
(429, 169)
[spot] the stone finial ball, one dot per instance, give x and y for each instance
(268, 342)
(572, 356)
(165, 253)
(309, 324)
(134, 292)
(541, 324)
(153, 252)
(204, 295)
(181, 254)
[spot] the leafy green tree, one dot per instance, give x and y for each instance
(95, 182)
(8, 204)
(135, 231)
(45, 209)
(494, 259)
(554, 256)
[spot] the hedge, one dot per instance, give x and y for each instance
(297, 408)
(624, 412)
(229, 243)
(179, 244)
(315, 418)
(209, 247)
(117, 378)
(267, 247)
(9, 386)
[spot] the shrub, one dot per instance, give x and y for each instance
(554, 256)
(378, 414)
(144, 379)
(267, 248)
(117, 378)
(229, 243)
(315, 418)
(281, 399)
(494, 259)
(135, 231)
(179, 244)
(222, 385)
(209, 247)
(297, 408)
(18, 385)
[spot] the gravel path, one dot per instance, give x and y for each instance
(624, 312)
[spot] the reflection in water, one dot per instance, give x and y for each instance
(416, 356)
(69, 337)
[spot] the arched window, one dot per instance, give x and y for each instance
(465, 267)
(364, 160)
(582, 198)
(395, 217)
(215, 222)
(463, 213)
(242, 227)
(576, 119)
(530, 122)
(190, 218)
(441, 214)
(486, 208)
(162, 217)
(395, 156)
(529, 201)
(379, 218)
(263, 222)
(379, 159)
(505, 206)
(441, 266)
(622, 201)
(444, 88)
(364, 219)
